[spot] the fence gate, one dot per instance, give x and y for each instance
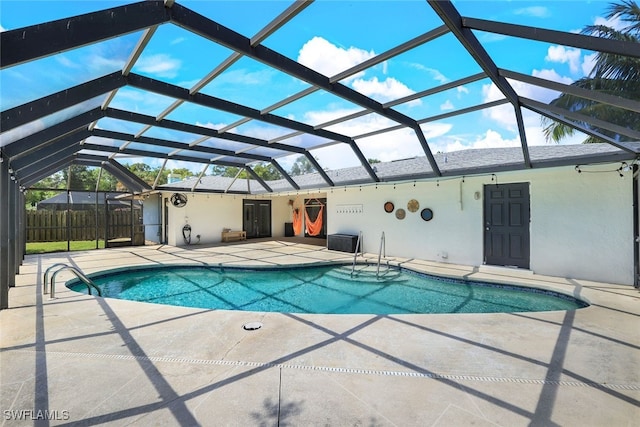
(123, 223)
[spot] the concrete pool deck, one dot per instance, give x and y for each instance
(83, 360)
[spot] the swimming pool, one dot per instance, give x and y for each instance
(321, 289)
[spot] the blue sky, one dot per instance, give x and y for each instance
(329, 37)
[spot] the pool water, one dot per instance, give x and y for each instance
(325, 289)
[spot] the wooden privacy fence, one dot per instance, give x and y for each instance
(52, 226)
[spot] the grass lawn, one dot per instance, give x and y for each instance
(46, 247)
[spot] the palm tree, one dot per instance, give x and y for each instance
(613, 74)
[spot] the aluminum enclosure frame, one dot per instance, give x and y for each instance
(26, 44)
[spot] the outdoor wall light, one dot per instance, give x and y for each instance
(625, 167)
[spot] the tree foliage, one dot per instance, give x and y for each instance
(267, 171)
(264, 170)
(33, 196)
(613, 75)
(302, 166)
(83, 178)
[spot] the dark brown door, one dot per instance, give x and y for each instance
(506, 224)
(256, 218)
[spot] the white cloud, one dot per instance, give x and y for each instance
(490, 139)
(366, 124)
(329, 59)
(337, 156)
(504, 117)
(589, 63)
(551, 75)
(400, 144)
(161, 65)
(535, 11)
(504, 114)
(388, 146)
(435, 74)
(315, 118)
(535, 135)
(2, 28)
(102, 64)
(491, 37)
(177, 40)
(494, 139)
(461, 90)
(211, 125)
(262, 131)
(354, 127)
(448, 105)
(435, 130)
(140, 101)
(383, 91)
(245, 77)
(21, 132)
(615, 23)
(565, 55)
(546, 95)
(66, 62)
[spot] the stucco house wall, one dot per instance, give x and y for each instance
(581, 224)
(209, 214)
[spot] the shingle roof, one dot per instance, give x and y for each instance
(83, 198)
(463, 162)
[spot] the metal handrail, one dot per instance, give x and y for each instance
(45, 280)
(79, 274)
(383, 246)
(355, 255)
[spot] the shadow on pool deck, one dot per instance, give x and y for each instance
(116, 362)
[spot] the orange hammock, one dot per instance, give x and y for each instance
(297, 221)
(314, 228)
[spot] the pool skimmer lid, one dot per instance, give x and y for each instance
(252, 326)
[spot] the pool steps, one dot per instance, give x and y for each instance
(382, 253)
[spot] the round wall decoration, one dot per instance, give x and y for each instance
(413, 205)
(427, 214)
(400, 214)
(388, 207)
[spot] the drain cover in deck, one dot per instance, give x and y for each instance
(252, 326)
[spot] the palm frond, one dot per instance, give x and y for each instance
(612, 74)
(627, 11)
(556, 131)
